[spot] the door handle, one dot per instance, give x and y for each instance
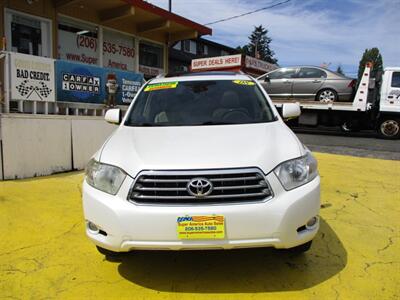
(287, 81)
(390, 97)
(316, 81)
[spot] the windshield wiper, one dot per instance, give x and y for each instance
(216, 123)
(144, 124)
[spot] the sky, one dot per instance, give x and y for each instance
(305, 32)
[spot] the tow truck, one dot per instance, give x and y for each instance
(376, 104)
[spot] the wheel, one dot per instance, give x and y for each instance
(301, 248)
(108, 253)
(389, 128)
(327, 95)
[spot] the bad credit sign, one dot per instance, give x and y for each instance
(32, 78)
(219, 62)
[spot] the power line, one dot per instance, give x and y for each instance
(249, 13)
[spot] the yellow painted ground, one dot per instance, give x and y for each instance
(44, 252)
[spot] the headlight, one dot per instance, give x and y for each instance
(296, 172)
(104, 177)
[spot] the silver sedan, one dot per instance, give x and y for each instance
(310, 83)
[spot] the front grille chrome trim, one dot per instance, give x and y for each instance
(152, 187)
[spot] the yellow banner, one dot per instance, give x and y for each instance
(161, 86)
(244, 82)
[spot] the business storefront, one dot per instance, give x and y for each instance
(121, 35)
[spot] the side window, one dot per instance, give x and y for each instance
(396, 79)
(282, 74)
(311, 73)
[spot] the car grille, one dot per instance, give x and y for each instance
(229, 186)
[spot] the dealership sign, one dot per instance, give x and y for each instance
(85, 83)
(258, 64)
(219, 62)
(32, 78)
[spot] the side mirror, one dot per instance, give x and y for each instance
(267, 79)
(113, 116)
(291, 110)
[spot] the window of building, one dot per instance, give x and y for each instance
(78, 42)
(223, 53)
(178, 46)
(118, 50)
(28, 34)
(151, 55)
(202, 49)
(189, 46)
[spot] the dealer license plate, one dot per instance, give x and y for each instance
(201, 227)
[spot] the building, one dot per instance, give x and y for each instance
(58, 61)
(130, 35)
(182, 53)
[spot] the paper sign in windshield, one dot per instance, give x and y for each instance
(244, 82)
(161, 86)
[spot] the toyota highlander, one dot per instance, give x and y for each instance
(202, 161)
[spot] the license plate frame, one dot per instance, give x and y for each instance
(201, 227)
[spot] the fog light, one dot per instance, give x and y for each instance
(93, 227)
(311, 223)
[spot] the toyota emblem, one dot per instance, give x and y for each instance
(199, 187)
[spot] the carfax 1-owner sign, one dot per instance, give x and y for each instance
(32, 78)
(92, 84)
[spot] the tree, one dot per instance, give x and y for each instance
(371, 55)
(339, 70)
(243, 50)
(259, 45)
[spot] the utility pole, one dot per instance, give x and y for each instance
(169, 5)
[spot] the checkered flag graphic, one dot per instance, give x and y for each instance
(44, 90)
(23, 88)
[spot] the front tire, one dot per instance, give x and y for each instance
(301, 248)
(389, 128)
(327, 96)
(108, 253)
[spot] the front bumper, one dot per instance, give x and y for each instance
(127, 226)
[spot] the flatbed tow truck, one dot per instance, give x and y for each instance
(376, 105)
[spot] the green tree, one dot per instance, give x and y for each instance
(339, 70)
(243, 50)
(371, 55)
(259, 45)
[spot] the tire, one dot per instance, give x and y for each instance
(327, 96)
(300, 249)
(389, 128)
(108, 253)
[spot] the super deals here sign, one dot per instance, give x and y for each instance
(219, 62)
(32, 78)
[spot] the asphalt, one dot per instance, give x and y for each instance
(44, 253)
(361, 145)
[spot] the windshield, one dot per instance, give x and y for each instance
(190, 103)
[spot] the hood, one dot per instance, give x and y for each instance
(263, 145)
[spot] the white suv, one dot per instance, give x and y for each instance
(202, 162)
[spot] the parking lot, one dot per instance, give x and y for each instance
(356, 254)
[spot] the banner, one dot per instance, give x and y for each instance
(258, 64)
(218, 62)
(32, 78)
(91, 84)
